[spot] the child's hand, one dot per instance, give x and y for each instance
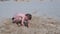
(22, 24)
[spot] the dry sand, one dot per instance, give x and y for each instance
(39, 25)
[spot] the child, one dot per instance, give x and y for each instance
(18, 18)
(22, 19)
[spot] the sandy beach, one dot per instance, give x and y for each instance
(38, 25)
(45, 20)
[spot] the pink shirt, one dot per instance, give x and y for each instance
(18, 17)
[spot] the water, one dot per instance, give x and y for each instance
(41, 8)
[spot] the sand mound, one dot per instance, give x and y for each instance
(39, 25)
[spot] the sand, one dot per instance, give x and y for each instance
(38, 25)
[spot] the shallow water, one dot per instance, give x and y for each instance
(36, 7)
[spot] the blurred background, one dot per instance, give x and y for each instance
(44, 21)
(36, 7)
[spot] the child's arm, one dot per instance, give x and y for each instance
(28, 23)
(23, 21)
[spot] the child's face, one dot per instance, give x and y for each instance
(26, 18)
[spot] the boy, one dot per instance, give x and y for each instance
(23, 19)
